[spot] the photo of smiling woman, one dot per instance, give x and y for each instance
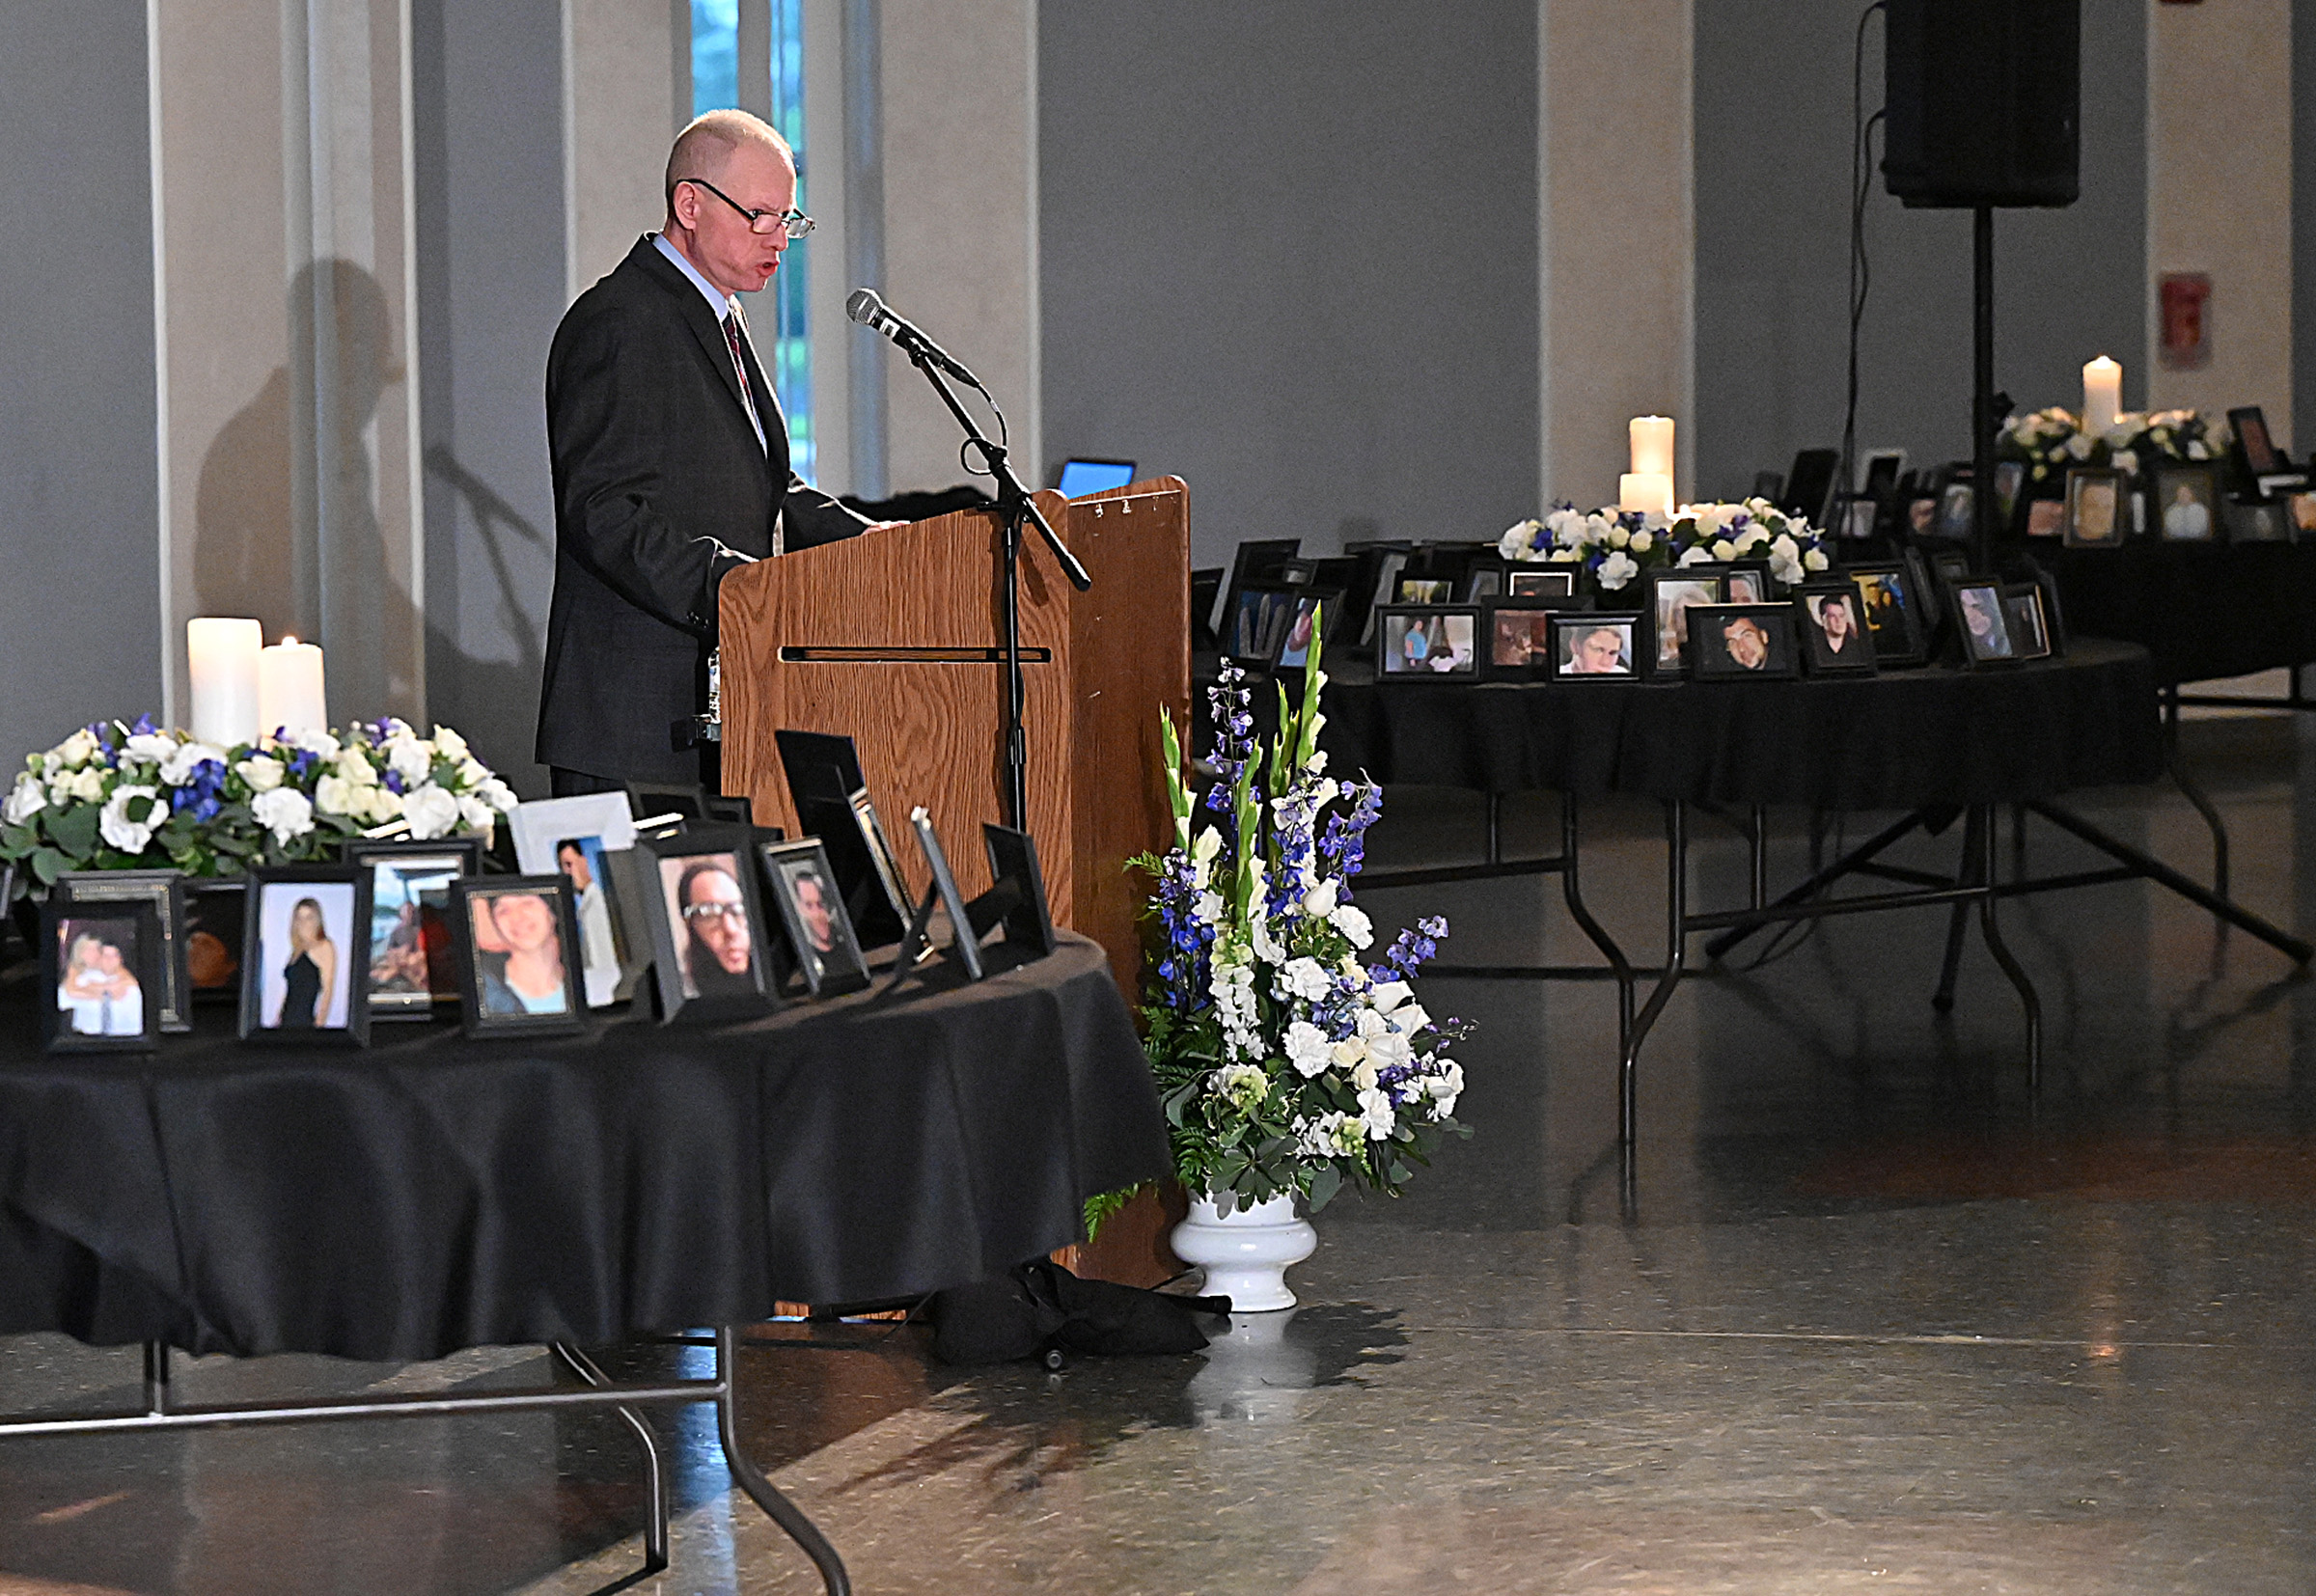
(518, 955)
(302, 934)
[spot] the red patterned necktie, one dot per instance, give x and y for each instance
(739, 363)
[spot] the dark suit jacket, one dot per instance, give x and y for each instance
(660, 489)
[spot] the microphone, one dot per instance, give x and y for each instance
(869, 310)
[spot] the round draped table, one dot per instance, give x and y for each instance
(2202, 609)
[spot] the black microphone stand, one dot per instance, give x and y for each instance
(1015, 506)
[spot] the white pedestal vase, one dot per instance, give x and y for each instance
(1245, 1252)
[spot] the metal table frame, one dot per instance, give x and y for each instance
(161, 1413)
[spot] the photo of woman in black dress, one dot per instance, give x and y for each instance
(311, 975)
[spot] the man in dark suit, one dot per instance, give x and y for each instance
(670, 464)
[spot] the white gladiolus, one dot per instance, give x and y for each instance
(285, 812)
(1209, 908)
(177, 769)
(431, 812)
(25, 800)
(261, 772)
(123, 833)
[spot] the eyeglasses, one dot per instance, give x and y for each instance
(699, 913)
(794, 223)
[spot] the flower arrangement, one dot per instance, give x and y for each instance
(1284, 1064)
(1614, 546)
(113, 796)
(2050, 440)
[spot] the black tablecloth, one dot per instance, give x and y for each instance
(433, 1193)
(1899, 740)
(2203, 610)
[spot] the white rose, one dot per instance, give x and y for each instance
(430, 812)
(409, 759)
(1319, 902)
(314, 740)
(1517, 540)
(1348, 1051)
(448, 744)
(2079, 447)
(123, 833)
(263, 774)
(1618, 569)
(2196, 451)
(78, 749)
(336, 795)
(25, 800)
(148, 747)
(1307, 1049)
(472, 773)
(177, 769)
(474, 814)
(498, 795)
(1644, 541)
(1446, 1086)
(84, 785)
(1752, 537)
(1698, 555)
(1724, 549)
(1564, 557)
(379, 804)
(1352, 921)
(1362, 1075)
(355, 769)
(1815, 560)
(1619, 538)
(1375, 1114)
(285, 812)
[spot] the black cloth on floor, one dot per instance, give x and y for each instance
(433, 1192)
(2203, 610)
(1039, 1306)
(1903, 739)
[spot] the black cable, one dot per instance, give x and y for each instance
(1862, 183)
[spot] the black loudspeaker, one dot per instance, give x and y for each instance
(1984, 100)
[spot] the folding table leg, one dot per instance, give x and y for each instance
(1573, 894)
(1983, 818)
(766, 1495)
(656, 1523)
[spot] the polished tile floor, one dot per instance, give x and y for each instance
(1869, 1318)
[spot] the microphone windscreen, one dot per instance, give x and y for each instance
(863, 307)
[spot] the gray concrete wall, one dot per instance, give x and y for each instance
(1772, 139)
(1289, 254)
(80, 612)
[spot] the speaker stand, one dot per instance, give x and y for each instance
(1982, 399)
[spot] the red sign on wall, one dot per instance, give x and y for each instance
(2185, 299)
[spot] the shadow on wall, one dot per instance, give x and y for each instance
(286, 530)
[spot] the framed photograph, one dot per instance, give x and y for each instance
(1741, 643)
(2030, 630)
(2248, 423)
(412, 966)
(1485, 580)
(1747, 582)
(1893, 615)
(647, 801)
(100, 963)
(1547, 583)
(1832, 621)
(2186, 502)
(1518, 636)
(540, 824)
(823, 772)
(1426, 642)
(1425, 590)
(1259, 559)
(1670, 594)
(305, 960)
(2010, 478)
(1389, 564)
(516, 973)
(1879, 479)
(2256, 523)
(1982, 623)
(963, 944)
(2301, 508)
(1858, 518)
(1315, 607)
(605, 959)
(1019, 889)
(2046, 517)
(1921, 516)
(708, 936)
(165, 891)
(1257, 623)
(1957, 505)
(213, 939)
(804, 893)
(1596, 648)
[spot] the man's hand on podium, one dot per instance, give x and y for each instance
(883, 526)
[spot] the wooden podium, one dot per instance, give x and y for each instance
(896, 640)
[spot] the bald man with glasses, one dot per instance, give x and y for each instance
(670, 464)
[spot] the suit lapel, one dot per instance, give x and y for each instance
(767, 402)
(696, 316)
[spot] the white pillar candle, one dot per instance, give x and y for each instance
(1652, 446)
(223, 656)
(1645, 491)
(2102, 394)
(290, 691)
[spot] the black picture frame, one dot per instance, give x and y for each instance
(608, 958)
(1572, 629)
(2186, 505)
(2253, 446)
(1483, 579)
(1957, 509)
(1981, 628)
(2095, 513)
(2031, 633)
(1316, 616)
(1258, 560)
(838, 966)
(341, 895)
(2263, 521)
(396, 1000)
(1928, 589)
(1893, 611)
(823, 772)
(717, 992)
(649, 800)
(1017, 889)
(1752, 575)
(2301, 511)
(98, 998)
(165, 891)
(1256, 621)
(964, 947)
(1743, 642)
(1424, 591)
(1540, 581)
(1666, 593)
(490, 1003)
(2010, 480)
(1448, 632)
(213, 938)
(1515, 638)
(1383, 589)
(1854, 657)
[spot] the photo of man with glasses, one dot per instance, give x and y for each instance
(669, 457)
